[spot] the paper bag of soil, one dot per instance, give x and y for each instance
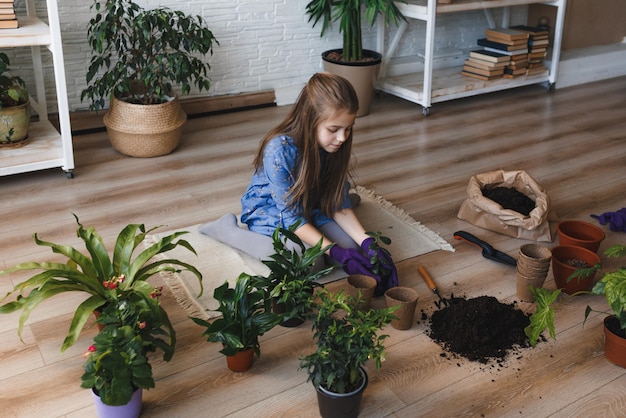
(488, 214)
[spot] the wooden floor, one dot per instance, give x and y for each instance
(572, 141)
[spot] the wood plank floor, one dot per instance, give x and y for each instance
(572, 141)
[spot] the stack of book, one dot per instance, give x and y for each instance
(510, 42)
(485, 65)
(538, 43)
(8, 20)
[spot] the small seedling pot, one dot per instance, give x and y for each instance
(562, 255)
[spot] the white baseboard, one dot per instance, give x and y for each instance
(587, 65)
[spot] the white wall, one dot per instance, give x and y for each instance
(264, 44)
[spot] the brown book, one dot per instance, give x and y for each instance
(509, 42)
(7, 16)
(8, 24)
(485, 64)
(538, 70)
(506, 33)
(479, 76)
(489, 56)
(7, 6)
(482, 71)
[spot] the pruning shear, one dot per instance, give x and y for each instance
(488, 251)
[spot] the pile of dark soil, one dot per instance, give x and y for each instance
(480, 329)
(510, 198)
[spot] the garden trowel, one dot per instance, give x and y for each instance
(488, 251)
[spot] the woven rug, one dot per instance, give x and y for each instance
(219, 263)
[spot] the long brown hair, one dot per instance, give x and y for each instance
(315, 186)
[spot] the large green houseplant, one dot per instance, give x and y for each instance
(358, 65)
(102, 277)
(245, 316)
(292, 279)
(346, 337)
(138, 57)
(14, 102)
(612, 286)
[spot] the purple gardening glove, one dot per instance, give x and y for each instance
(343, 255)
(391, 278)
(616, 220)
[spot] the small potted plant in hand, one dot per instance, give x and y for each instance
(100, 276)
(245, 317)
(293, 278)
(117, 368)
(346, 337)
(14, 102)
(380, 258)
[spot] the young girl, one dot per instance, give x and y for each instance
(301, 177)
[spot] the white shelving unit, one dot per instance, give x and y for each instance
(438, 85)
(47, 148)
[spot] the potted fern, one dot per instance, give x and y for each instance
(138, 56)
(102, 277)
(358, 65)
(612, 286)
(14, 110)
(346, 337)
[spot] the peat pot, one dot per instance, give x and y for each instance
(341, 405)
(140, 130)
(614, 341)
(580, 234)
(362, 75)
(131, 410)
(563, 256)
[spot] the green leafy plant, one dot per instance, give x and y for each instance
(376, 247)
(345, 338)
(292, 279)
(245, 316)
(612, 286)
(104, 278)
(348, 13)
(138, 54)
(116, 364)
(12, 88)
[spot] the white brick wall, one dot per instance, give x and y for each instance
(264, 44)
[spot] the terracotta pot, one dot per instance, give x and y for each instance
(341, 405)
(407, 299)
(580, 234)
(362, 76)
(362, 287)
(614, 344)
(131, 410)
(242, 361)
(562, 270)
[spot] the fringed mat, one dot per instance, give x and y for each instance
(219, 263)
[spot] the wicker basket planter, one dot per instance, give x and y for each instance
(145, 130)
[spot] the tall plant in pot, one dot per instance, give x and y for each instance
(138, 56)
(14, 110)
(346, 338)
(358, 65)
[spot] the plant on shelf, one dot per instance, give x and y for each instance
(138, 57)
(117, 364)
(292, 279)
(346, 338)
(245, 317)
(104, 278)
(612, 286)
(14, 102)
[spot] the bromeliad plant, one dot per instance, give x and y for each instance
(345, 338)
(106, 279)
(348, 13)
(292, 279)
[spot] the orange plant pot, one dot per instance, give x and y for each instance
(562, 270)
(580, 234)
(242, 361)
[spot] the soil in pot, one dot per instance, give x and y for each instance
(510, 198)
(480, 329)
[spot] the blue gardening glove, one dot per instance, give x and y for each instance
(388, 280)
(616, 220)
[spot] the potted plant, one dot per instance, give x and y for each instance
(374, 249)
(292, 279)
(14, 110)
(346, 337)
(117, 368)
(612, 286)
(101, 276)
(358, 65)
(245, 317)
(138, 56)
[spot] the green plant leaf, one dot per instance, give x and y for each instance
(544, 314)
